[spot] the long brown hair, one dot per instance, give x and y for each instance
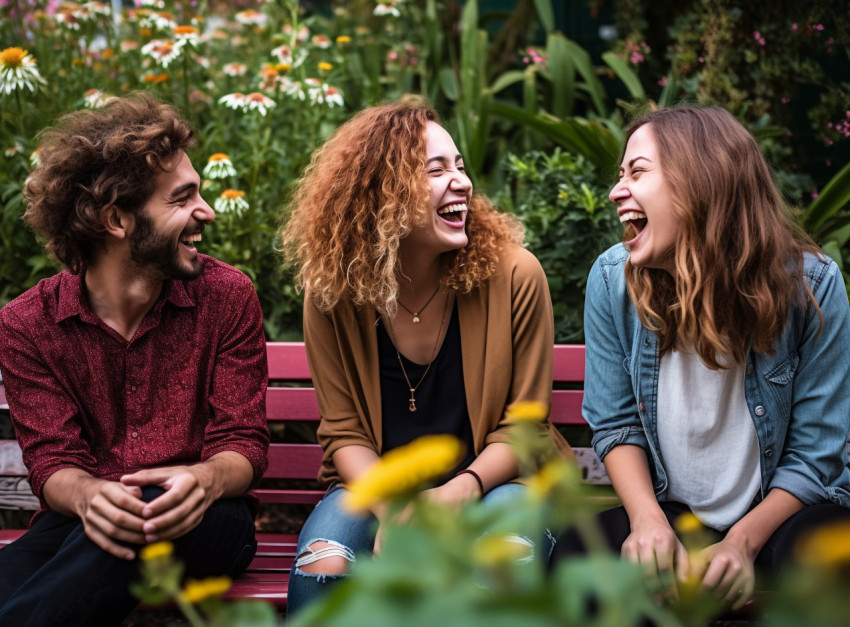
(739, 252)
(363, 191)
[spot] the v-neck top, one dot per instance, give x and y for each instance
(440, 397)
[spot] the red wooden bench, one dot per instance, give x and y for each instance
(290, 399)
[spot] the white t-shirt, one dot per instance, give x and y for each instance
(709, 446)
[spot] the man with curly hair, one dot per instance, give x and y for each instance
(135, 377)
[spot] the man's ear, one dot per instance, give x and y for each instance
(116, 221)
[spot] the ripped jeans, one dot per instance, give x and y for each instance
(351, 536)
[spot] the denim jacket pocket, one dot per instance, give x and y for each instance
(784, 373)
(780, 379)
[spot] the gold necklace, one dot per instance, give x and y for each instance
(412, 401)
(415, 314)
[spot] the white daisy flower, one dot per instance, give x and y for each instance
(235, 100)
(259, 102)
(387, 7)
(231, 201)
(219, 166)
(162, 51)
(333, 97)
(18, 71)
(235, 69)
(252, 18)
(95, 98)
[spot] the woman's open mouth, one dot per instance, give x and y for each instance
(453, 214)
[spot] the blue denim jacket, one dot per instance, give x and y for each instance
(798, 397)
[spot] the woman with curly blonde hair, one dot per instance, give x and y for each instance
(423, 315)
(718, 340)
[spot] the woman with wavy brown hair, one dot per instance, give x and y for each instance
(423, 315)
(718, 350)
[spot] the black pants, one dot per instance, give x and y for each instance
(55, 575)
(776, 553)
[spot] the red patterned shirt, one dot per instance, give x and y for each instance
(189, 384)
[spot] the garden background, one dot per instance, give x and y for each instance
(535, 93)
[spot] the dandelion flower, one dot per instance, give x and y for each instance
(259, 102)
(231, 201)
(18, 71)
(544, 481)
(828, 546)
(387, 7)
(219, 166)
(324, 66)
(162, 51)
(343, 39)
(156, 550)
(197, 591)
(403, 469)
(526, 411)
(235, 69)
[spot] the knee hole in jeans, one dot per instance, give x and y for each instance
(324, 557)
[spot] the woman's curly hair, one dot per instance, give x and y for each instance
(362, 193)
(95, 159)
(739, 251)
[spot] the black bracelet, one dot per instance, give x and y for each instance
(474, 474)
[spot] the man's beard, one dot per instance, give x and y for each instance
(149, 249)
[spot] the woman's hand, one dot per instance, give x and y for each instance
(655, 547)
(729, 572)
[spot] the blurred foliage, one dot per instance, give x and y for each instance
(569, 220)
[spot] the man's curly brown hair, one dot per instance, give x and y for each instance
(362, 193)
(94, 159)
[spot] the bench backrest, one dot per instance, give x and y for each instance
(291, 397)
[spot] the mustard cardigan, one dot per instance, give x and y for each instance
(507, 334)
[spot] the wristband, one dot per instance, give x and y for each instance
(475, 475)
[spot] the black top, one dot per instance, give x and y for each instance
(440, 398)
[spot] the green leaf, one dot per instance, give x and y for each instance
(546, 14)
(592, 84)
(829, 202)
(449, 83)
(625, 74)
(562, 74)
(506, 80)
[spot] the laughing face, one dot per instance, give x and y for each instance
(645, 202)
(444, 229)
(170, 224)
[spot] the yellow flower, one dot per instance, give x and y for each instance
(550, 475)
(687, 523)
(283, 67)
(155, 78)
(197, 591)
(343, 39)
(403, 469)
(495, 550)
(526, 411)
(827, 546)
(325, 66)
(185, 31)
(156, 550)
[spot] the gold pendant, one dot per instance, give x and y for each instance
(415, 318)
(412, 406)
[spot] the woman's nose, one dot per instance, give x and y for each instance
(618, 192)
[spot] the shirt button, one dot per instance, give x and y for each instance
(132, 388)
(135, 434)
(760, 410)
(640, 406)
(768, 452)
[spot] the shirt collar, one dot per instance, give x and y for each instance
(73, 301)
